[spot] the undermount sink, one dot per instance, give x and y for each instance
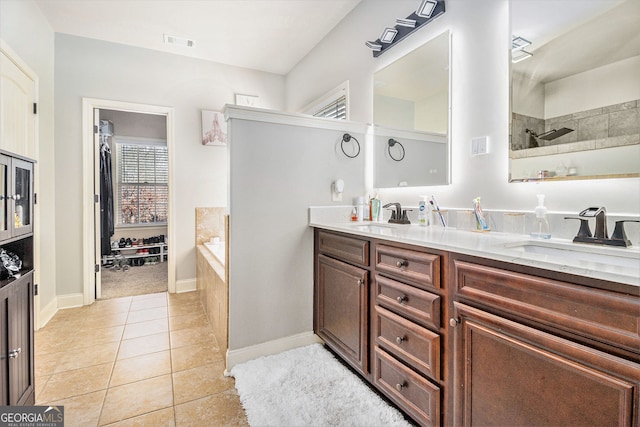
(622, 257)
(377, 227)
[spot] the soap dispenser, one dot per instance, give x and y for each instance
(540, 227)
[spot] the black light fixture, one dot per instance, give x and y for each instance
(426, 12)
(517, 49)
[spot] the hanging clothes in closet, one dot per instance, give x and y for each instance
(106, 197)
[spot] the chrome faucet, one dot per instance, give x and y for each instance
(398, 216)
(601, 237)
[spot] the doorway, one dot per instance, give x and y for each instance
(133, 189)
(147, 228)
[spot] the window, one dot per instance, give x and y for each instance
(334, 104)
(142, 184)
(336, 110)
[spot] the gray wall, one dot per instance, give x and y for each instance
(276, 172)
(95, 69)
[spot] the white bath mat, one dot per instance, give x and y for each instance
(307, 386)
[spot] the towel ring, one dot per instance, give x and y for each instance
(393, 142)
(347, 138)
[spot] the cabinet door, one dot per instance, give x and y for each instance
(506, 373)
(342, 310)
(5, 174)
(20, 341)
(22, 195)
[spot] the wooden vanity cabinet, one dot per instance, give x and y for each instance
(341, 296)
(531, 350)
(406, 331)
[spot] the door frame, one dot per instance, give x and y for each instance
(88, 171)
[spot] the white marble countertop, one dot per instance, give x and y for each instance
(621, 265)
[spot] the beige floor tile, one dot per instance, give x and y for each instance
(148, 314)
(102, 335)
(187, 308)
(192, 356)
(88, 356)
(46, 363)
(147, 303)
(104, 321)
(161, 418)
(82, 411)
(223, 409)
(157, 295)
(194, 320)
(199, 382)
(192, 336)
(137, 398)
(74, 383)
(143, 345)
(39, 383)
(110, 306)
(140, 368)
(149, 327)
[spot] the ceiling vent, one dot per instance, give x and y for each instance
(178, 41)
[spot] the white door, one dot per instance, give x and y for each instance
(17, 118)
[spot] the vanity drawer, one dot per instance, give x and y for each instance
(595, 314)
(420, 306)
(349, 249)
(410, 391)
(409, 342)
(418, 268)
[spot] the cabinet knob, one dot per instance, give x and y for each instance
(400, 340)
(399, 387)
(453, 322)
(360, 282)
(15, 353)
(402, 299)
(401, 263)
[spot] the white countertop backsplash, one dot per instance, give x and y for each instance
(491, 244)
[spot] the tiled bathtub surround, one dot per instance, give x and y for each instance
(210, 223)
(605, 127)
(211, 274)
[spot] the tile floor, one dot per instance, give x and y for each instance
(149, 360)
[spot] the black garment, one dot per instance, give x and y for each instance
(106, 199)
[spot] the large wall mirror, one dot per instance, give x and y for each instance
(411, 118)
(575, 100)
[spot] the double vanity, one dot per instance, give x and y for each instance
(464, 328)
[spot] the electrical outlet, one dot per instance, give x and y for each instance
(479, 145)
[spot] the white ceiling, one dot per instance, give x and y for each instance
(266, 35)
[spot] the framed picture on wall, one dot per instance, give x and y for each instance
(214, 128)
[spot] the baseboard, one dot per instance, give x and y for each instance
(241, 355)
(47, 313)
(70, 300)
(186, 285)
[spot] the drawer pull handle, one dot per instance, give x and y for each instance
(399, 387)
(400, 340)
(15, 353)
(453, 322)
(402, 299)
(402, 263)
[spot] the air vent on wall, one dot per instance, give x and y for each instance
(178, 41)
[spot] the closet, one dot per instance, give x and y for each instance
(133, 180)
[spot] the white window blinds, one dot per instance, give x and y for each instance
(143, 184)
(336, 110)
